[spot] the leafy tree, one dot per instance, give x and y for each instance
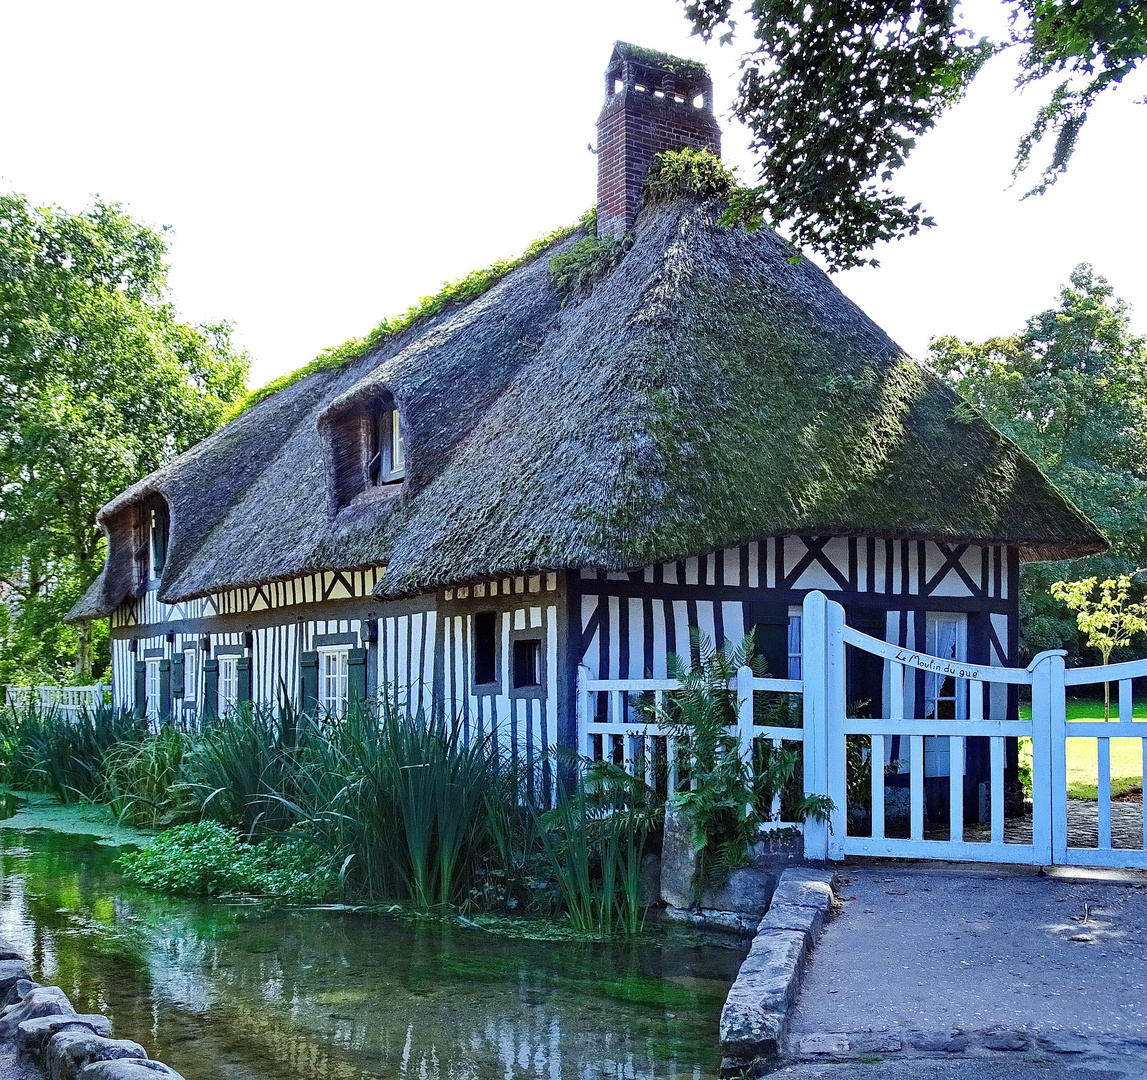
(1107, 616)
(1071, 389)
(836, 92)
(100, 383)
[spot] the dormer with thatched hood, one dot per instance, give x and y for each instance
(523, 479)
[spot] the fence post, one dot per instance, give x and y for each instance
(1049, 767)
(745, 712)
(836, 700)
(814, 674)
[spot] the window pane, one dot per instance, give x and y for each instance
(485, 647)
(527, 663)
(398, 446)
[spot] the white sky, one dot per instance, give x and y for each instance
(323, 165)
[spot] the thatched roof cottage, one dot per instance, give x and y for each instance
(542, 479)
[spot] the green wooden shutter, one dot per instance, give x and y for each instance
(177, 676)
(210, 708)
(309, 682)
(356, 675)
(140, 688)
(163, 708)
(243, 671)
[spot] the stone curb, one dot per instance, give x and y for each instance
(994, 1042)
(755, 1017)
(45, 1027)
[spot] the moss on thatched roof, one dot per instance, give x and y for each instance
(707, 391)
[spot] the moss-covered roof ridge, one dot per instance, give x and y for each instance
(706, 391)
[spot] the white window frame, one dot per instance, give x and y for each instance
(391, 447)
(151, 687)
(228, 684)
(937, 761)
(190, 674)
(334, 682)
(153, 571)
(796, 644)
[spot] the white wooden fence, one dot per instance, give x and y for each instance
(624, 733)
(65, 700)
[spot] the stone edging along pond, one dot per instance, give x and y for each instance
(755, 1015)
(41, 1022)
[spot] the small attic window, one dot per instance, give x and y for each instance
(159, 534)
(388, 449)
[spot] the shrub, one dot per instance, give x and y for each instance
(208, 859)
(199, 859)
(696, 173)
(145, 784)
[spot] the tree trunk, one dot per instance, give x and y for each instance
(84, 653)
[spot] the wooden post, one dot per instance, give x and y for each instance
(814, 671)
(1049, 764)
(837, 705)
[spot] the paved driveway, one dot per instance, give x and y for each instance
(959, 961)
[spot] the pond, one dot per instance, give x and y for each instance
(235, 992)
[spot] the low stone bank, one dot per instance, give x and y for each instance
(42, 1024)
(755, 1017)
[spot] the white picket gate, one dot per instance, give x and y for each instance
(623, 733)
(68, 701)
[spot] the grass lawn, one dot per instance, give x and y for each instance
(1083, 754)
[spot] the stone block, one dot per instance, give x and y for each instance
(747, 891)
(805, 887)
(33, 1035)
(1003, 1039)
(1064, 1042)
(69, 1051)
(678, 861)
(11, 972)
(127, 1069)
(874, 1042)
(784, 916)
(19, 991)
(770, 974)
(833, 1043)
(43, 1001)
(749, 1031)
(939, 1042)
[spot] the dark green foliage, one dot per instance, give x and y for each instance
(727, 796)
(687, 173)
(101, 384)
(240, 770)
(47, 751)
(836, 93)
(145, 783)
(595, 841)
(1071, 389)
(574, 272)
(207, 859)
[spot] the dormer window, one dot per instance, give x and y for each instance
(388, 451)
(364, 443)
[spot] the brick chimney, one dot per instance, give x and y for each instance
(653, 102)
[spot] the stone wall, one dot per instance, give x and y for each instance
(67, 1045)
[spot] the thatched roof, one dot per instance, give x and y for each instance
(708, 391)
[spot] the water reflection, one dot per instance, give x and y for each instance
(235, 992)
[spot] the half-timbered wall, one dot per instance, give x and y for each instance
(273, 625)
(529, 607)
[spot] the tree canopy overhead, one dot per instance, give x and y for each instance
(1071, 389)
(836, 92)
(100, 383)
